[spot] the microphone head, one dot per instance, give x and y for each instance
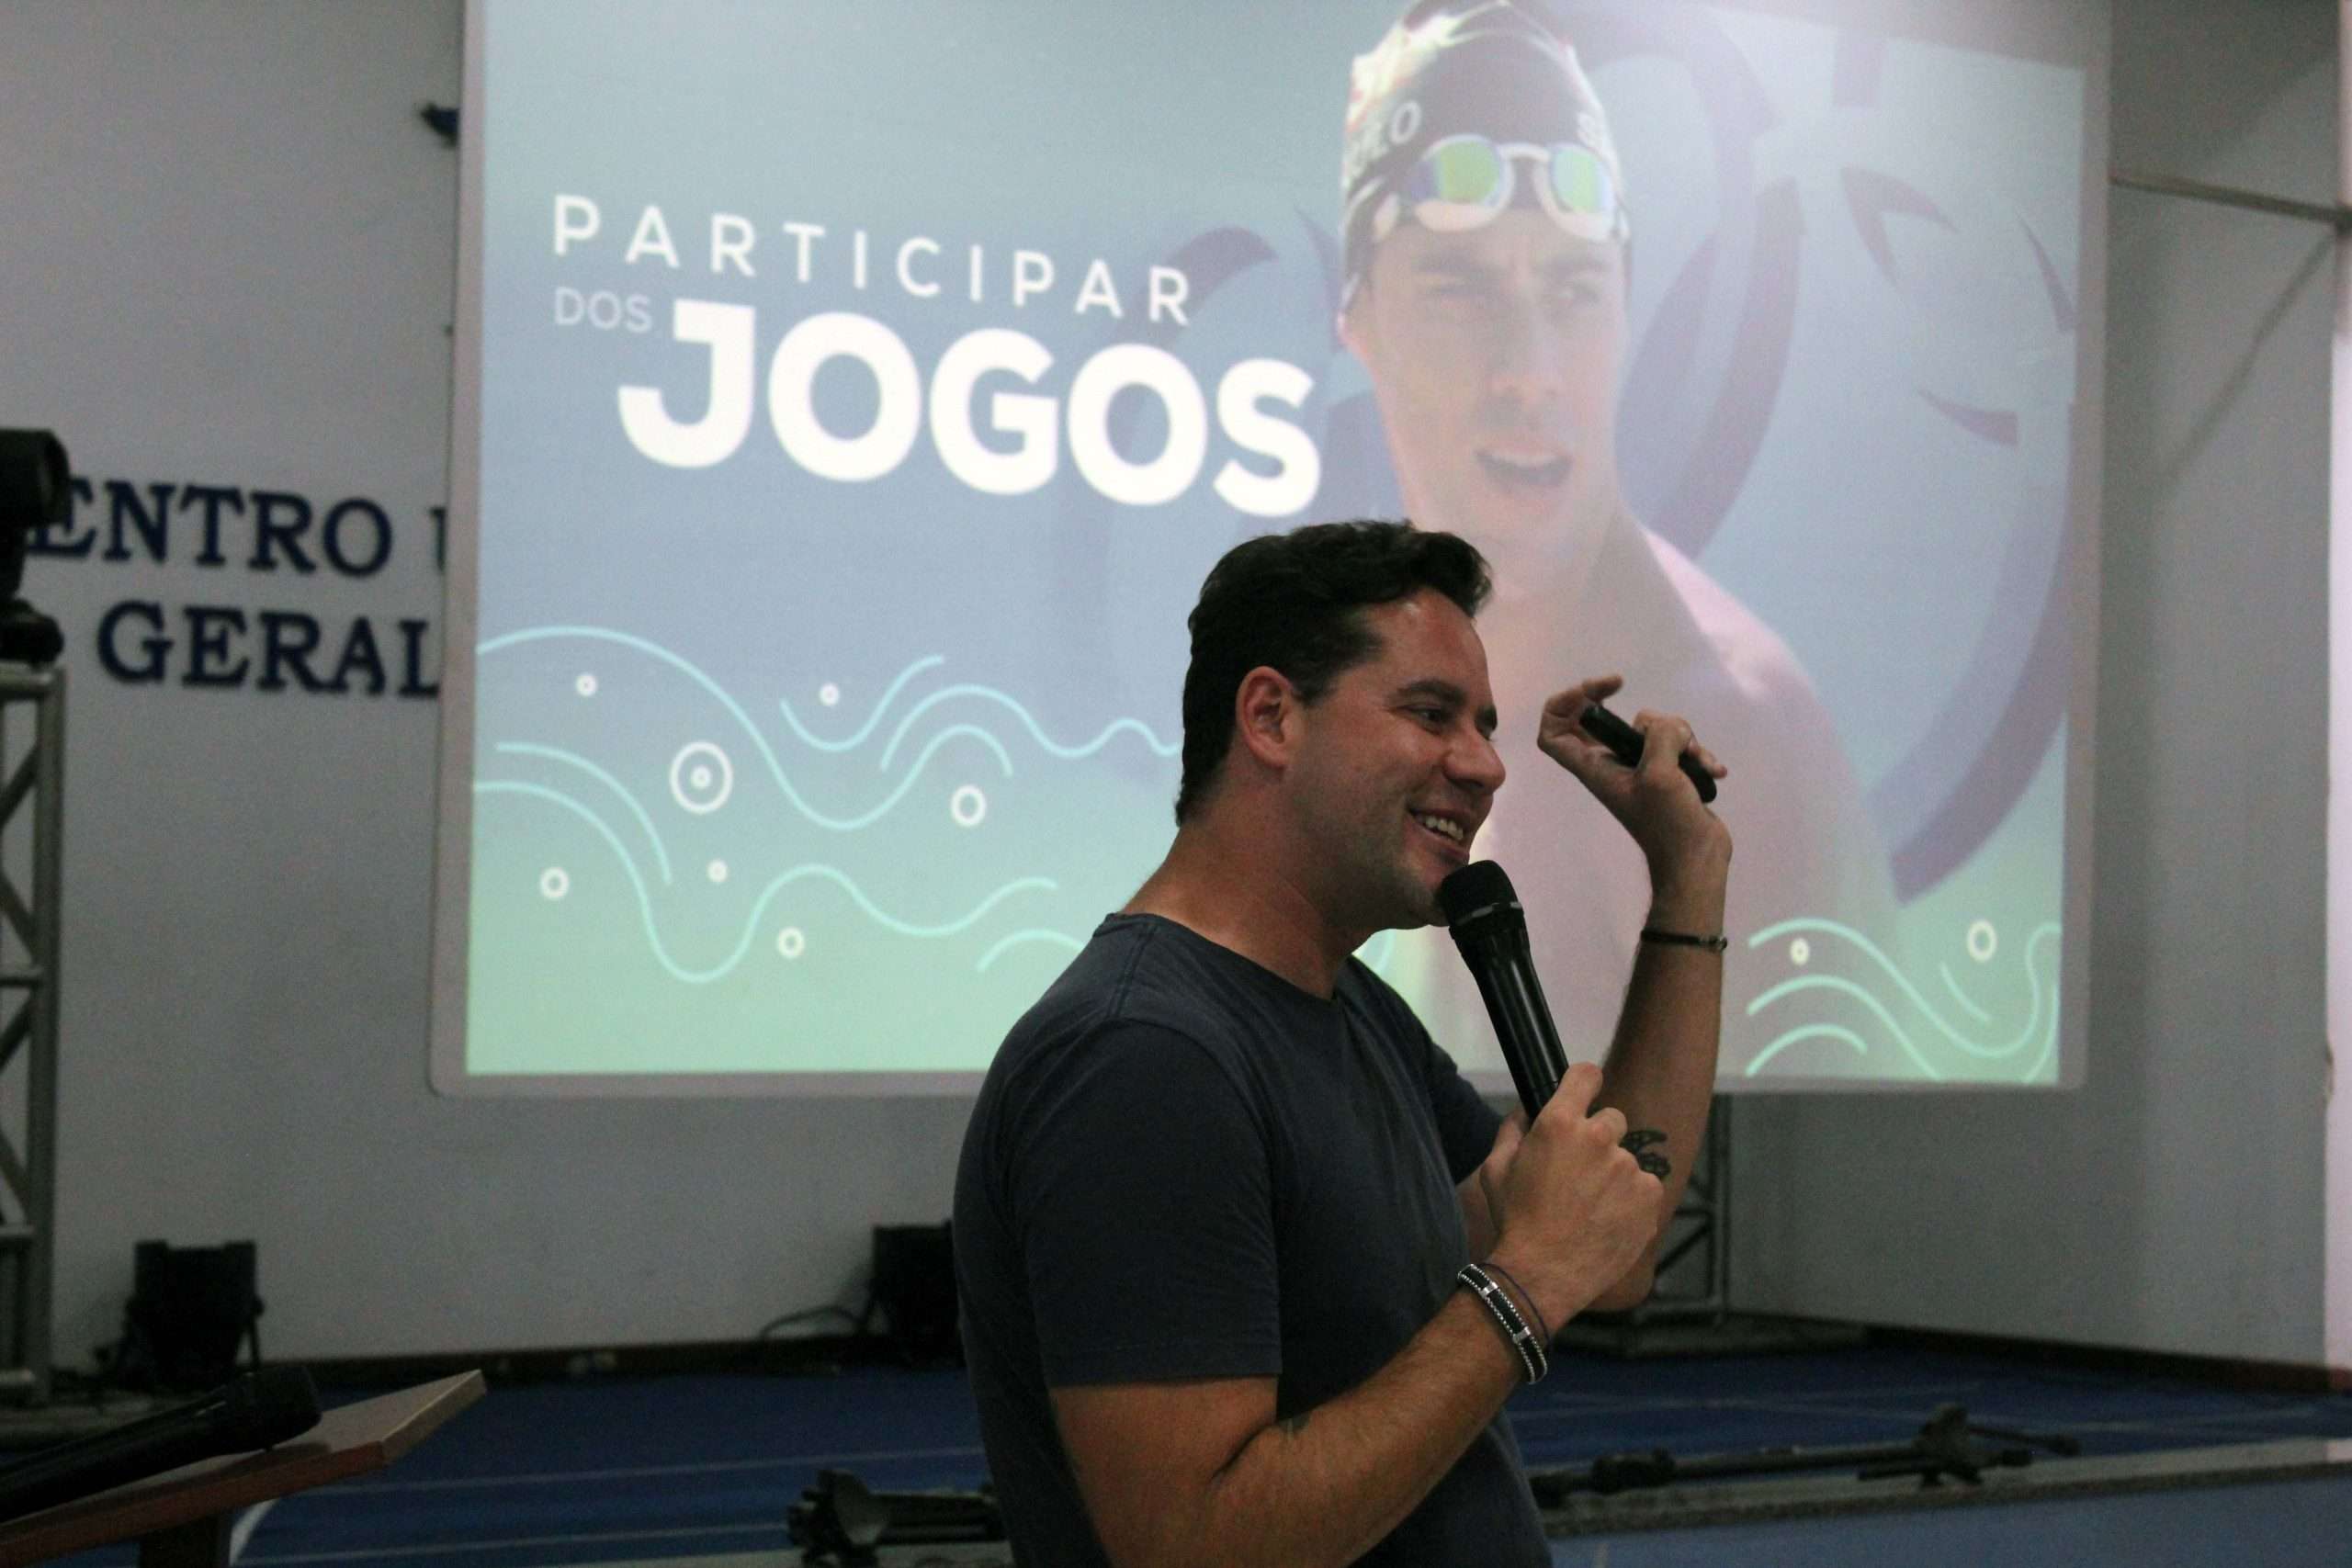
(1478, 894)
(271, 1405)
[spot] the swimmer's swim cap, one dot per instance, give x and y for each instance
(1493, 83)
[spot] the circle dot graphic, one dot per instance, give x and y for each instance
(968, 806)
(790, 943)
(718, 869)
(701, 778)
(1800, 952)
(585, 685)
(829, 695)
(1982, 942)
(554, 882)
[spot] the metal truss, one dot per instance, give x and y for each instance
(32, 806)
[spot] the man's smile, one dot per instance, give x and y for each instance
(1525, 467)
(1453, 830)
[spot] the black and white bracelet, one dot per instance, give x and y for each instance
(1505, 1313)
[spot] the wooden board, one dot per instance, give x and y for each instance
(349, 1440)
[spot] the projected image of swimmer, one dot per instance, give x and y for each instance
(1487, 233)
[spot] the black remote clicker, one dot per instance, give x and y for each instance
(1626, 741)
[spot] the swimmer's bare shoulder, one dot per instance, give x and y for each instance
(1757, 670)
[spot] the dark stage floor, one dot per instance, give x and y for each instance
(608, 1470)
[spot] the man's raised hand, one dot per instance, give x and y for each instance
(1687, 845)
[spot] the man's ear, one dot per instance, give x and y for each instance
(1266, 712)
(1348, 323)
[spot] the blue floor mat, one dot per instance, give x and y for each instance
(613, 1469)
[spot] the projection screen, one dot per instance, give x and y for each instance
(852, 397)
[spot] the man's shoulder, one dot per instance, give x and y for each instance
(1136, 984)
(1099, 990)
(1797, 791)
(1745, 652)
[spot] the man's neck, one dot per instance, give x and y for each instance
(1214, 885)
(1566, 568)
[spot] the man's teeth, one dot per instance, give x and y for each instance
(1531, 469)
(1440, 825)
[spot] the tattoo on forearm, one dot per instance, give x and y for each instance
(1638, 1143)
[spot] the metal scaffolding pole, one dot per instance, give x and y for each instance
(33, 801)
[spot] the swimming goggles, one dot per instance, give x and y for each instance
(1464, 182)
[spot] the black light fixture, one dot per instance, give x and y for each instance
(36, 494)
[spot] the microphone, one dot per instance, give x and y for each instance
(258, 1410)
(1484, 914)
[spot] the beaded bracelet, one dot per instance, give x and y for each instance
(1514, 1329)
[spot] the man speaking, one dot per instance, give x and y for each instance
(1246, 1269)
(1485, 232)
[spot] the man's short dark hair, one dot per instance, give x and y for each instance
(1294, 603)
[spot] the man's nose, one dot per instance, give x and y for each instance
(1527, 361)
(1476, 766)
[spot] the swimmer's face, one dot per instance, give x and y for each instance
(1494, 355)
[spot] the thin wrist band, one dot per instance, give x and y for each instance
(1515, 1332)
(1684, 939)
(1533, 1310)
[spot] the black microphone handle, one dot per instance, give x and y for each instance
(1524, 1074)
(1514, 999)
(1539, 1012)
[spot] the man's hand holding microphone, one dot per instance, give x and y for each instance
(1573, 1208)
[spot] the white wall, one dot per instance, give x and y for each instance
(2177, 1203)
(227, 259)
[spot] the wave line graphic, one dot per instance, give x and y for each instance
(858, 739)
(767, 754)
(2046, 931)
(1844, 986)
(759, 906)
(1036, 730)
(908, 782)
(1809, 1031)
(1952, 984)
(660, 850)
(1023, 937)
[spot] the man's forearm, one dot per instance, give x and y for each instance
(1661, 1068)
(1325, 1485)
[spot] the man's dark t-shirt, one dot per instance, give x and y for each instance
(1182, 1166)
